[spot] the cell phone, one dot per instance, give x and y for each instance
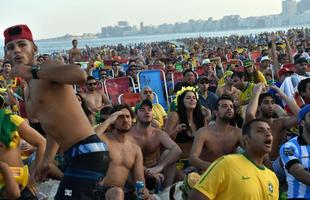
(187, 126)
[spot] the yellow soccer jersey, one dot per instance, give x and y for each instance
(246, 94)
(236, 177)
(159, 114)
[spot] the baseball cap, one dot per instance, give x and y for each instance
(144, 102)
(202, 78)
(247, 63)
(16, 32)
(301, 60)
(302, 112)
(264, 58)
(206, 62)
(286, 68)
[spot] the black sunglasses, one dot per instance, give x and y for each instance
(204, 82)
(92, 84)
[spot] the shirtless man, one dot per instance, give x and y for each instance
(95, 99)
(151, 140)
(50, 98)
(264, 104)
(126, 156)
(75, 54)
(216, 140)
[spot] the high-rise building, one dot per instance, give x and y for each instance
(303, 6)
(289, 10)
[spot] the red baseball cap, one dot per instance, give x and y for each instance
(286, 68)
(16, 32)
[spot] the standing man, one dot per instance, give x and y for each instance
(95, 99)
(50, 98)
(241, 176)
(295, 157)
(75, 54)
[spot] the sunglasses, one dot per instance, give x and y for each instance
(90, 84)
(204, 82)
(115, 65)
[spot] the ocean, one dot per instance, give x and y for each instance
(49, 46)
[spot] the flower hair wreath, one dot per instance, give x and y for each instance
(184, 89)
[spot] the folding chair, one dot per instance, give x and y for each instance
(116, 86)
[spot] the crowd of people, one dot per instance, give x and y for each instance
(237, 124)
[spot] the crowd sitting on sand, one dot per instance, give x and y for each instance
(229, 118)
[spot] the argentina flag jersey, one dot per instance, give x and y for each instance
(295, 151)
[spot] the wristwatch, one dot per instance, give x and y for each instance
(34, 71)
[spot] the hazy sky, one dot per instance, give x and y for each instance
(53, 18)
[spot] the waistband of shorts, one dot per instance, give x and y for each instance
(84, 174)
(89, 145)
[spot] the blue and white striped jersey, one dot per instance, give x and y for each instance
(295, 151)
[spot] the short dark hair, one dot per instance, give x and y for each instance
(262, 96)
(89, 78)
(74, 40)
(188, 71)
(6, 62)
(119, 107)
(114, 61)
(238, 74)
(247, 127)
(302, 85)
(223, 97)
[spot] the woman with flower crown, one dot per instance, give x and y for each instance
(184, 122)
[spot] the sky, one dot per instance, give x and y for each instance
(54, 18)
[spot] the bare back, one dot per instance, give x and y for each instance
(58, 110)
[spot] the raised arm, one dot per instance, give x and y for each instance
(290, 102)
(253, 104)
(103, 126)
(288, 49)
(52, 71)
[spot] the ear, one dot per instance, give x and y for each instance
(302, 123)
(35, 49)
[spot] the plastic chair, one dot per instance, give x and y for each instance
(116, 86)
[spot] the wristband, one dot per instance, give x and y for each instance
(34, 71)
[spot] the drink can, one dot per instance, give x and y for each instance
(139, 190)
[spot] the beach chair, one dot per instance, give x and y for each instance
(129, 98)
(199, 70)
(176, 77)
(152, 78)
(150, 67)
(255, 55)
(116, 86)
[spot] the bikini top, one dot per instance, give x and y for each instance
(20, 174)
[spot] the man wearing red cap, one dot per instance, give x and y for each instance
(50, 98)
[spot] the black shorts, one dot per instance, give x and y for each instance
(26, 194)
(86, 164)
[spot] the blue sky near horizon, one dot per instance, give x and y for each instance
(59, 17)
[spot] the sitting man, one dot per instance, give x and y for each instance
(95, 99)
(151, 140)
(218, 139)
(126, 156)
(159, 114)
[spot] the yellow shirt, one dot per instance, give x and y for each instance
(159, 114)
(236, 177)
(246, 94)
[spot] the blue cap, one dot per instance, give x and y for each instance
(302, 112)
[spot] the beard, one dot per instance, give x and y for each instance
(226, 119)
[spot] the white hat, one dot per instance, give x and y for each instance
(264, 58)
(206, 61)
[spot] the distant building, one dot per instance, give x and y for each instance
(303, 6)
(123, 23)
(289, 10)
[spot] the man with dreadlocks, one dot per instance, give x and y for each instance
(13, 128)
